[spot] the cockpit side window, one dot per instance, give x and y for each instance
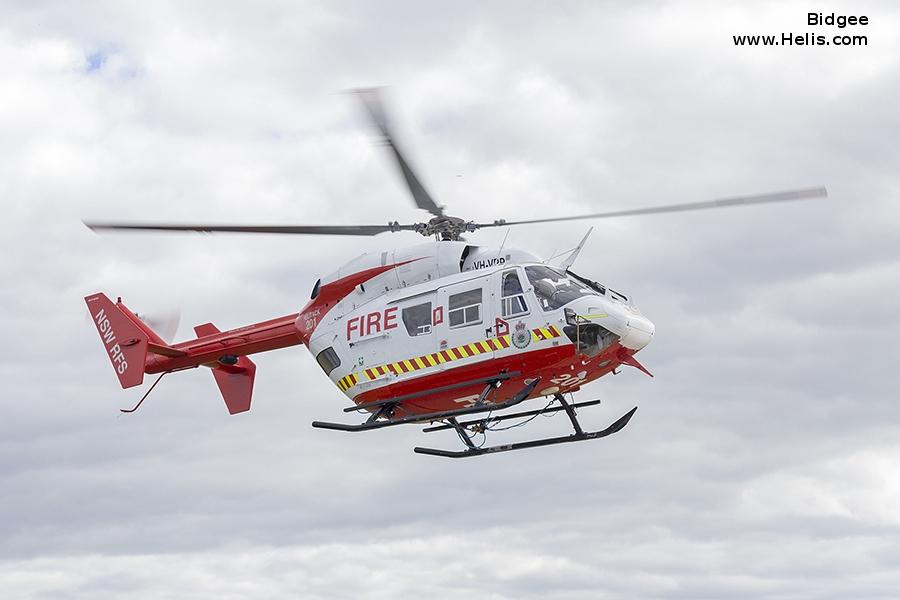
(328, 360)
(553, 289)
(512, 296)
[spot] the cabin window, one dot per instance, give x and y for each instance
(513, 297)
(465, 308)
(417, 319)
(328, 360)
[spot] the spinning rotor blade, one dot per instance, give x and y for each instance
(671, 208)
(371, 100)
(294, 229)
(164, 322)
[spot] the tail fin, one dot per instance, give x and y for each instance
(235, 380)
(123, 336)
(127, 339)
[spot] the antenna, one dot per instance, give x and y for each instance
(504, 243)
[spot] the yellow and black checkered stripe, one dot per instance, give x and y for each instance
(443, 356)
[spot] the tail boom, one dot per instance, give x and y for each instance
(210, 348)
(135, 349)
(223, 351)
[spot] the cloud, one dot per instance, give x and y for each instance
(760, 460)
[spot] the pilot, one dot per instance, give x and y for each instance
(544, 289)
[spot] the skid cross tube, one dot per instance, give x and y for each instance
(525, 413)
(462, 433)
(571, 412)
(428, 417)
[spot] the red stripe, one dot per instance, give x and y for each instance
(503, 341)
(456, 353)
(542, 363)
(447, 356)
(332, 292)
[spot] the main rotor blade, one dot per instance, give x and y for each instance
(290, 229)
(371, 100)
(785, 196)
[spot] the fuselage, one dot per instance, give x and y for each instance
(436, 316)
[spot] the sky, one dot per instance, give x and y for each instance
(764, 459)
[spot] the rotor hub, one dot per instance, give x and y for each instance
(445, 227)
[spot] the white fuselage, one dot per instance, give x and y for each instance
(450, 295)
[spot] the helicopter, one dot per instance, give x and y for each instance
(446, 334)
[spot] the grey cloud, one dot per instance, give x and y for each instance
(762, 458)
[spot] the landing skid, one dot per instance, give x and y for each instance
(384, 417)
(578, 435)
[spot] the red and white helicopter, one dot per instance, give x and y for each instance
(426, 334)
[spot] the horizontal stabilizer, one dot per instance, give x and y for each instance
(235, 379)
(165, 350)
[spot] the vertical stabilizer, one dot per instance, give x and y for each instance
(125, 342)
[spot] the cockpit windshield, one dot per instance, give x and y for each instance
(553, 289)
